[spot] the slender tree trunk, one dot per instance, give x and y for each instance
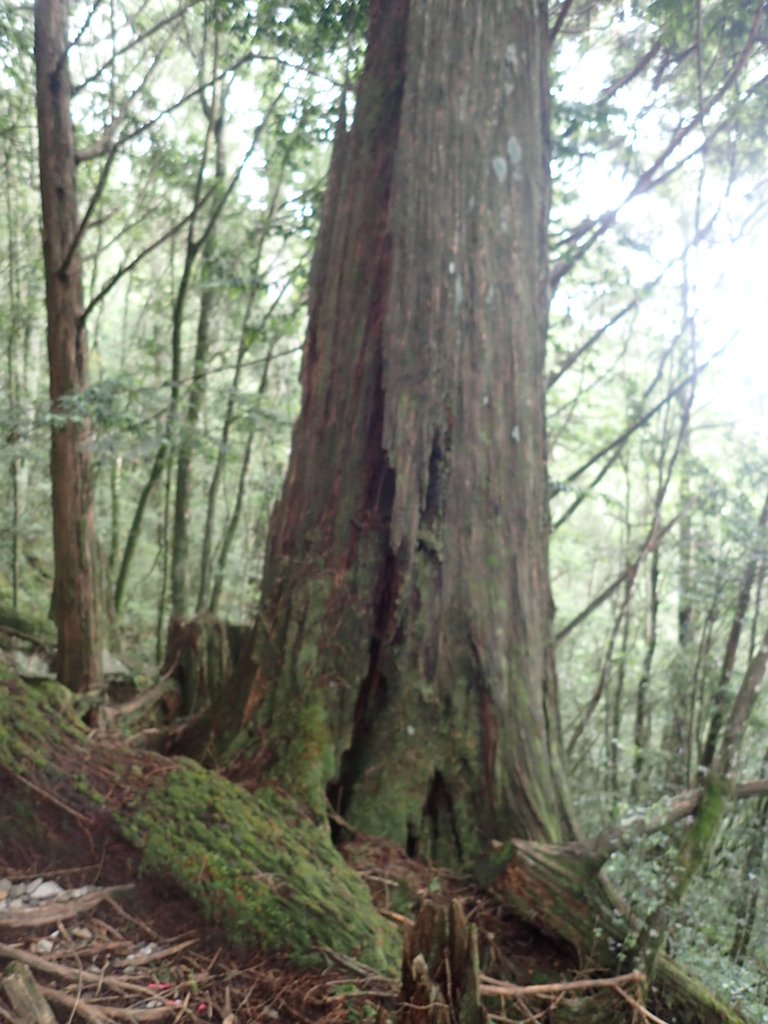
(746, 911)
(155, 473)
(641, 732)
(230, 530)
(15, 330)
(206, 558)
(75, 590)
(722, 693)
(403, 661)
(213, 487)
(181, 514)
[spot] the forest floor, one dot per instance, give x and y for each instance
(126, 949)
(129, 950)
(134, 952)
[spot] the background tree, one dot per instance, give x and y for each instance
(75, 593)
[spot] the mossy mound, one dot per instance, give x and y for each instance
(257, 865)
(33, 719)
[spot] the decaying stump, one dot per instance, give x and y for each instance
(24, 995)
(441, 968)
(200, 655)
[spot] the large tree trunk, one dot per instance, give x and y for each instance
(75, 590)
(403, 657)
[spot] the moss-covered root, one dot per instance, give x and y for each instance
(258, 867)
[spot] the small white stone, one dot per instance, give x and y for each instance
(30, 887)
(410, 731)
(44, 946)
(47, 891)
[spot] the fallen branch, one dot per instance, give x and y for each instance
(684, 804)
(554, 991)
(75, 975)
(492, 987)
(642, 1010)
(58, 910)
(103, 1015)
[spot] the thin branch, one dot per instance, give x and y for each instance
(95, 197)
(607, 94)
(135, 41)
(128, 267)
(645, 1013)
(493, 987)
(642, 420)
(554, 376)
(151, 122)
(562, 14)
(651, 178)
(84, 28)
(106, 143)
(652, 542)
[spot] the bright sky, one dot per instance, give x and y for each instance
(733, 302)
(728, 290)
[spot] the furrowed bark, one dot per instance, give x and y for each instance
(406, 609)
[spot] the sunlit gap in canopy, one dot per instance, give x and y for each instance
(721, 268)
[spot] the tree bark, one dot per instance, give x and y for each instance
(403, 658)
(75, 592)
(401, 665)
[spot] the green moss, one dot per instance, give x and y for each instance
(31, 717)
(41, 628)
(258, 867)
(709, 816)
